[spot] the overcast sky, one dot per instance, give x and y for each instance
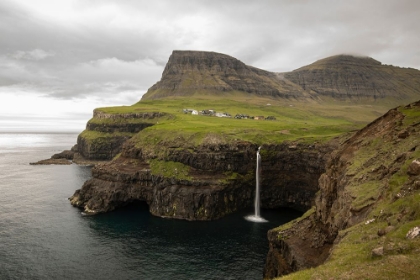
(61, 59)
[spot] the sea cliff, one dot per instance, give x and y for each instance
(367, 203)
(207, 181)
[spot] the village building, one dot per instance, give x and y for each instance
(241, 116)
(223, 115)
(187, 111)
(207, 112)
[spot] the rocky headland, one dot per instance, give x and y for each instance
(313, 160)
(206, 182)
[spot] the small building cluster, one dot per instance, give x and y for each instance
(213, 113)
(244, 116)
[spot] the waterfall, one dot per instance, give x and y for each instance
(256, 217)
(257, 185)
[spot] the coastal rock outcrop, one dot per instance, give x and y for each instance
(204, 182)
(63, 158)
(106, 132)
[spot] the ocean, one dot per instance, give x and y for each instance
(43, 237)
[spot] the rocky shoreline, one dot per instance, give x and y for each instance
(67, 157)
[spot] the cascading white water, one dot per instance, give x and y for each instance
(257, 185)
(256, 217)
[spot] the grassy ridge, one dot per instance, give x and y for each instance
(294, 120)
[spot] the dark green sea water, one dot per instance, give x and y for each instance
(43, 237)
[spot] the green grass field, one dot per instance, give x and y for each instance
(295, 120)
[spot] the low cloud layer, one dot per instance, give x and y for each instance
(115, 50)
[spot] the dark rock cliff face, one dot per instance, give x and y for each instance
(101, 148)
(207, 194)
(116, 186)
(368, 159)
(221, 180)
(290, 173)
(192, 71)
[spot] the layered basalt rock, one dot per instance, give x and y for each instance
(117, 184)
(106, 133)
(369, 159)
(221, 180)
(206, 194)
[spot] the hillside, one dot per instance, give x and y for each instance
(365, 212)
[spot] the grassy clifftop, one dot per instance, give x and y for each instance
(294, 120)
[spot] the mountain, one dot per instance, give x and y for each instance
(341, 77)
(346, 76)
(189, 72)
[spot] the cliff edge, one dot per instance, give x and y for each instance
(367, 204)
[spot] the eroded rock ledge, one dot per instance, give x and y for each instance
(220, 180)
(67, 157)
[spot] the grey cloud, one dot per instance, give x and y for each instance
(36, 54)
(122, 46)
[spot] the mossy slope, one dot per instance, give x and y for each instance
(377, 202)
